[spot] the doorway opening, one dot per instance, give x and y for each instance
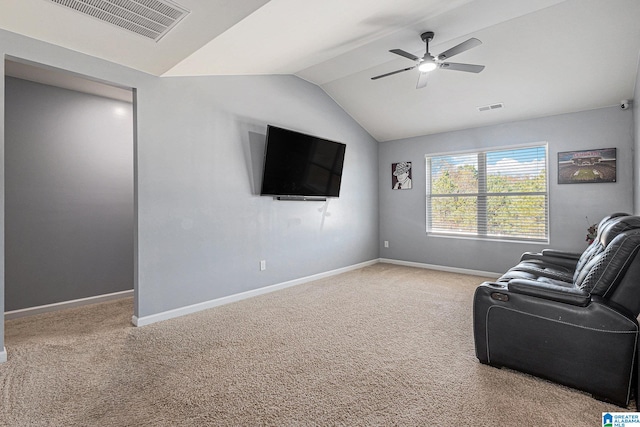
(69, 190)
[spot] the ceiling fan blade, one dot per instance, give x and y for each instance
(470, 68)
(405, 54)
(471, 43)
(422, 80)
(392, 73)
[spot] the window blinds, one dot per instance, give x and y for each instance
(501, 194)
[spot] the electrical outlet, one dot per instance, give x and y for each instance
(386, 243)
(263, 265)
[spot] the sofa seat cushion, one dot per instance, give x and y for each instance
(534, 270)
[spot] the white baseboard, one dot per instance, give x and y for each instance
(170, 314)
(182, 311)
(14, 314)
(3, 355)
(443, 268)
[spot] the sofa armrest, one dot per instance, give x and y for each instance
(553, 257)
(561, 254)
(550, 291)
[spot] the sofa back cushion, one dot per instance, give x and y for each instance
(608, 226)
(619, 244)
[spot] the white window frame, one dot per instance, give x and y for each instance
(482, 229)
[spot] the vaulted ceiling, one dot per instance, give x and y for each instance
(541, 57)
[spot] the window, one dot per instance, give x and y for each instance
(501, 194)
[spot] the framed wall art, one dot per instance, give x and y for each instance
(587, 166)
(401, 176)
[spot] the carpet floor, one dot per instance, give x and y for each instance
(384, 345)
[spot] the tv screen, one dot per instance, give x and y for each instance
(296, 164)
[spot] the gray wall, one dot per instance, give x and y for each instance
(206, 228)
(200, 229)
(402, 213)
(68, 195)
(636, 138)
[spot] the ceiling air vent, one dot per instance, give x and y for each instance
(491, 107)
(149, 18)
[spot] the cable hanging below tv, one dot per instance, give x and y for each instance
(302, 167)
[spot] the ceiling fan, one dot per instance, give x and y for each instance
(429, 62)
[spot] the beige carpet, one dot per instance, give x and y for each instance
(382, 346)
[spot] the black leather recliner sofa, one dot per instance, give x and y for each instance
(569, 318)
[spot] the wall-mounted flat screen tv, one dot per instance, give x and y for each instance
(300, 165)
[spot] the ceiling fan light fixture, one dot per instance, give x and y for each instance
(427, 66)
(429, 62)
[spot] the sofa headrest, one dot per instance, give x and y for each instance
(606, 219)
(598, 245)
(617, 225)
(603, 272)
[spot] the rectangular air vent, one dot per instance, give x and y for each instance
(148, 18)
(491, 107)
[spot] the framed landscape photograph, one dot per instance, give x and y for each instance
(587, 166)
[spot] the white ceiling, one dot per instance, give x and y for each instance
(542, 57)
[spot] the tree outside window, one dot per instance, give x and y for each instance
(501, 194)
